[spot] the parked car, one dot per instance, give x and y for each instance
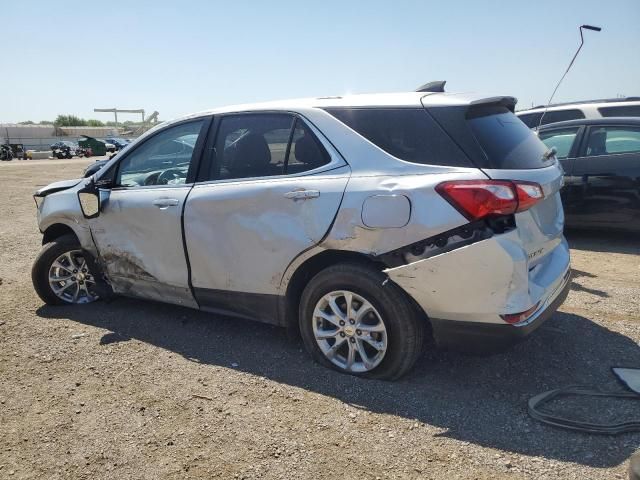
(368, 222)
(110, 147)
(64, 149)
(559, 112)
(601, 160)
(119, 143)
(6, 153)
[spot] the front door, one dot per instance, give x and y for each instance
(566, 141)
(138, 233)
(272, 191)
(608, 172)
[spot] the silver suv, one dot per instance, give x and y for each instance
(368, 222)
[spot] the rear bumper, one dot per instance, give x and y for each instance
(465, 291)
(483, 337)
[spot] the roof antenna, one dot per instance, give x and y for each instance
(436, 87)
(587, 27)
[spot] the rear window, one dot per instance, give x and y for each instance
(506, 141)
(532, 120)
(620, 111)
(409, 134)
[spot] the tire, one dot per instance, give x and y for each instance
(42, 268)
(404, 327)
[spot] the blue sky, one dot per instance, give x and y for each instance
(183, 56)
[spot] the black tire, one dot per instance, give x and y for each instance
(40, 270)
(404, 325)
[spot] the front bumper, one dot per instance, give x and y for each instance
(486, 337)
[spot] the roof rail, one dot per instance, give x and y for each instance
(436, 86)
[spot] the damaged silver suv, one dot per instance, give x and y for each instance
(369, 222)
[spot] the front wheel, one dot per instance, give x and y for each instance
(354, 320)
(61, 275)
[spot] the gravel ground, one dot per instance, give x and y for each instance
(135, 389)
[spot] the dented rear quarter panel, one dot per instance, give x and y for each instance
(430, 214)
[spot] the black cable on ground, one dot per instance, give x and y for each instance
(600, 428)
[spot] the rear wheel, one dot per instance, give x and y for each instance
(61, 275)
(354, 320)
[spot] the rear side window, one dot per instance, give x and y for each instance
(306, 151)
(532, 120)
(251, 145)
(505, 140)
(409, 134)
(562, 140)
(620, 111)
(263, 145)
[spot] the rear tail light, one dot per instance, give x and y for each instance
(529, 194)
(519, 317)
(477, 199)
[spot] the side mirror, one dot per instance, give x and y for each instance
(89, 198)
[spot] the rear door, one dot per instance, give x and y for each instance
(270, 190)
(607, 176)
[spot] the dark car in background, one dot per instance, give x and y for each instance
(601, 160)
(119, 143)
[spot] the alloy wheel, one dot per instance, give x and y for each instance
(70, 278)
(349, 331)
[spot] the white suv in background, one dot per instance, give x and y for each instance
(559, 112)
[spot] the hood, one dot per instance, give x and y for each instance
(57, 187)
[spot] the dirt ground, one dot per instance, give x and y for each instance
(134, 389)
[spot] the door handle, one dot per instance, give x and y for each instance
(166, 202)
(302, 194)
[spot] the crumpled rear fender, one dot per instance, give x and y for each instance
(479, 282)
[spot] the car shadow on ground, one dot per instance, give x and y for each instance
(482, 400)
(605, 241)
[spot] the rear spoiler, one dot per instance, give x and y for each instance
(508, 102)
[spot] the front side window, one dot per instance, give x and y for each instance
(562, 140)
(263, 145)
(163, 159)
(613, 140)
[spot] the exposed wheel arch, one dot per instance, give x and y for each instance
(312, 266)
(57, 230)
